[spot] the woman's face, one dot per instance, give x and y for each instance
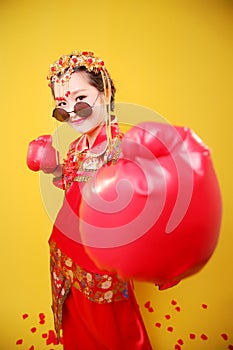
(78, 89)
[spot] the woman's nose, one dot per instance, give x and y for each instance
(72, 114)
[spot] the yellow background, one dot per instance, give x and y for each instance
(175, 57)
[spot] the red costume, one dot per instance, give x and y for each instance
(96, 309)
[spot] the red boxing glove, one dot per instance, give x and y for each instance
(41, 155)
(155, 215)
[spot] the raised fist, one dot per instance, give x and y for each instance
(156, 214)
(41, 155)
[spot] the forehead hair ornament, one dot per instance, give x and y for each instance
(61, 70)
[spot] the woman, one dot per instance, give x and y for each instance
(94, 308)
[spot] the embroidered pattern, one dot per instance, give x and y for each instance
(96, 287)
(79, 166)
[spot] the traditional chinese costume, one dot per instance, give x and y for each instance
(94, 308)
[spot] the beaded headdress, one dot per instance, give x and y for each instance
(61, 70)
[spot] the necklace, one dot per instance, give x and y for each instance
(80, 166)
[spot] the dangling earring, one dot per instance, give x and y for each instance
(107, 95)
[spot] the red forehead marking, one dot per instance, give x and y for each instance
(60, 98)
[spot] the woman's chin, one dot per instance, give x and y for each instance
(84, 127)
(79, 125)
